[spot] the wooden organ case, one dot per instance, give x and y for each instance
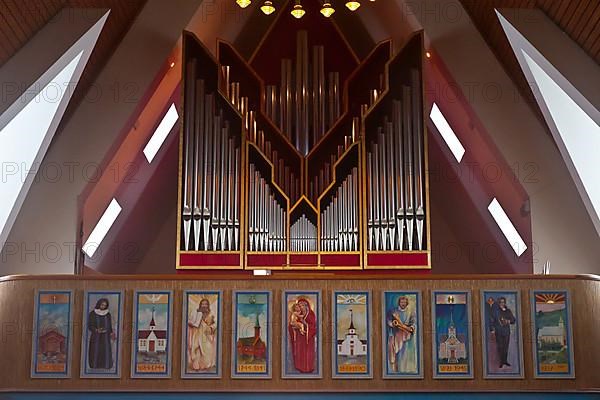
(303, 156)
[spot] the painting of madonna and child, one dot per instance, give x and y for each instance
(301, 345)
(352, 351)
(402, 335)
(251, 353)
(101, 344)
(201, 355)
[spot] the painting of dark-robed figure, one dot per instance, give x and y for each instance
(503, 347)
(301, 347)
(101, 336)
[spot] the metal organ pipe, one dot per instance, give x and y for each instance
(189, 155)
(304, 104)
(396, 210)
(417, 107)
(409, 167)
(340, 217)
(266, 220)
(303, 235)
(198, 167)
(211, 181)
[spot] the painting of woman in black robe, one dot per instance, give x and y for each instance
(101, 342)
(101, 336)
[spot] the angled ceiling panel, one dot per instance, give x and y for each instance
(29, 122)
(579, 19)
(20, 20)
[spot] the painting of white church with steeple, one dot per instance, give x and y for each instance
(352, 335)
(451, 316)
(151, 348)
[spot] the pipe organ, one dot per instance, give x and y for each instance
(303, 156)
(395, 172)
(211, 172)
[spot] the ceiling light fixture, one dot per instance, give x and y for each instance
(327, 10)
(353, 5)
(267, 7)
(298, 11)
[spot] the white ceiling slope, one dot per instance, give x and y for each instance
(44, 234)
(572, 118)
(27, 126)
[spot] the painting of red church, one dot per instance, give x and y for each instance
(52, 328)
(252, 347)
(53, 342)
(251, 334)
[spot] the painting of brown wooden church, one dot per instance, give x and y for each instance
(252, 347)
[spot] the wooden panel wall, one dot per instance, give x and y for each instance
(16, 316)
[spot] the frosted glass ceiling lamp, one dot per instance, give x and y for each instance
(267, 7)
(327, 10)
(353, 5)
(298, 12)
(243, 3)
